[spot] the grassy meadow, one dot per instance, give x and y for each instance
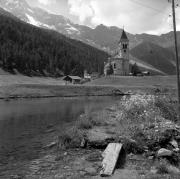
(131, 82)
(19, 86)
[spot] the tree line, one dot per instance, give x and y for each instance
(34, 51)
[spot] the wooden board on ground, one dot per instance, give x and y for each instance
(111, 155)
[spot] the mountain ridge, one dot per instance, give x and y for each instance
(101, 37)
(34, 51)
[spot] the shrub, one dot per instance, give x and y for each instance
(70, 138)
(139, 112)
(136, 112)
(167, 109)
(84, 123)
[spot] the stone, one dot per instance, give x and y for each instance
(59, 176)
(82, 173)
(151, 157)
(50, 131)
(173, 170)
(91, 171)
(16, 177)
(51, 145)
(117, 92)
(164, 153)
(152, 126)
(83, 143)
(177, 137)
(174, 143)
(98, 138)
(154, 170)
(176, 150)
(131, 146)
(58, 158)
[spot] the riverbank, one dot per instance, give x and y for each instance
(143, 123)
(19, 86)
(76, 152)
(49, 91)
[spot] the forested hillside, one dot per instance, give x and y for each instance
(34, 51)
(158, 57)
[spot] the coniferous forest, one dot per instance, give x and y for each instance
(34, 51)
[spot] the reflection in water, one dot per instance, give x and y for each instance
(22, 120)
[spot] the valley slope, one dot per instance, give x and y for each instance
(34, 51)
(102, 37)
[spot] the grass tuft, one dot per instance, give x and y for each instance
(162, 166)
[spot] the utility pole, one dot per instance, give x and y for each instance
(177, 57)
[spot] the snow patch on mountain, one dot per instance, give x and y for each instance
(30, 10)
(6, 9)
(72, 29)
(14, 2)
(33, 21)
(52, 27)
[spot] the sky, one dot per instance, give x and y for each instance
(136, 16)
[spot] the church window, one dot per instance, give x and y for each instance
(125, 46)
(124, 51)
(114, 66)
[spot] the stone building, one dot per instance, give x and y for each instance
(120, 62)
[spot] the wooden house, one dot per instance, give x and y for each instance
(72, 79)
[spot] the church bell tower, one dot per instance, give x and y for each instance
(124, 46)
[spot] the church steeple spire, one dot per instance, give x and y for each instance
(124, 36)
(124, 46)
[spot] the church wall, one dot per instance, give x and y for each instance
(120, 66)
(120, 62)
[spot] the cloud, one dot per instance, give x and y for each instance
(81, 8)
(47, 2)
(137, 16)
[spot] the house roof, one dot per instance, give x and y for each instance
(73, 77)
(123, 36)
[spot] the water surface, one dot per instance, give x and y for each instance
(23, 122)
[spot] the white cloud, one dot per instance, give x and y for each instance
(47, 2)
(81, 8)
(137, 16)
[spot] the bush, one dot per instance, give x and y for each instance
(84, 123)
(71, 138)
(140, 112)
(167, 109)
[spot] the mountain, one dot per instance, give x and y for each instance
(101, 37)
(159, 57)
(35, 51)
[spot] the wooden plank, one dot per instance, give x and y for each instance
(111, 155)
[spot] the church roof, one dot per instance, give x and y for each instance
(123, 36)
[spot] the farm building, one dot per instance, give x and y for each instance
(72, 79)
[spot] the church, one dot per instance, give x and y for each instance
(119, 64)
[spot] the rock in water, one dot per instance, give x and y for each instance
(164, 153)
